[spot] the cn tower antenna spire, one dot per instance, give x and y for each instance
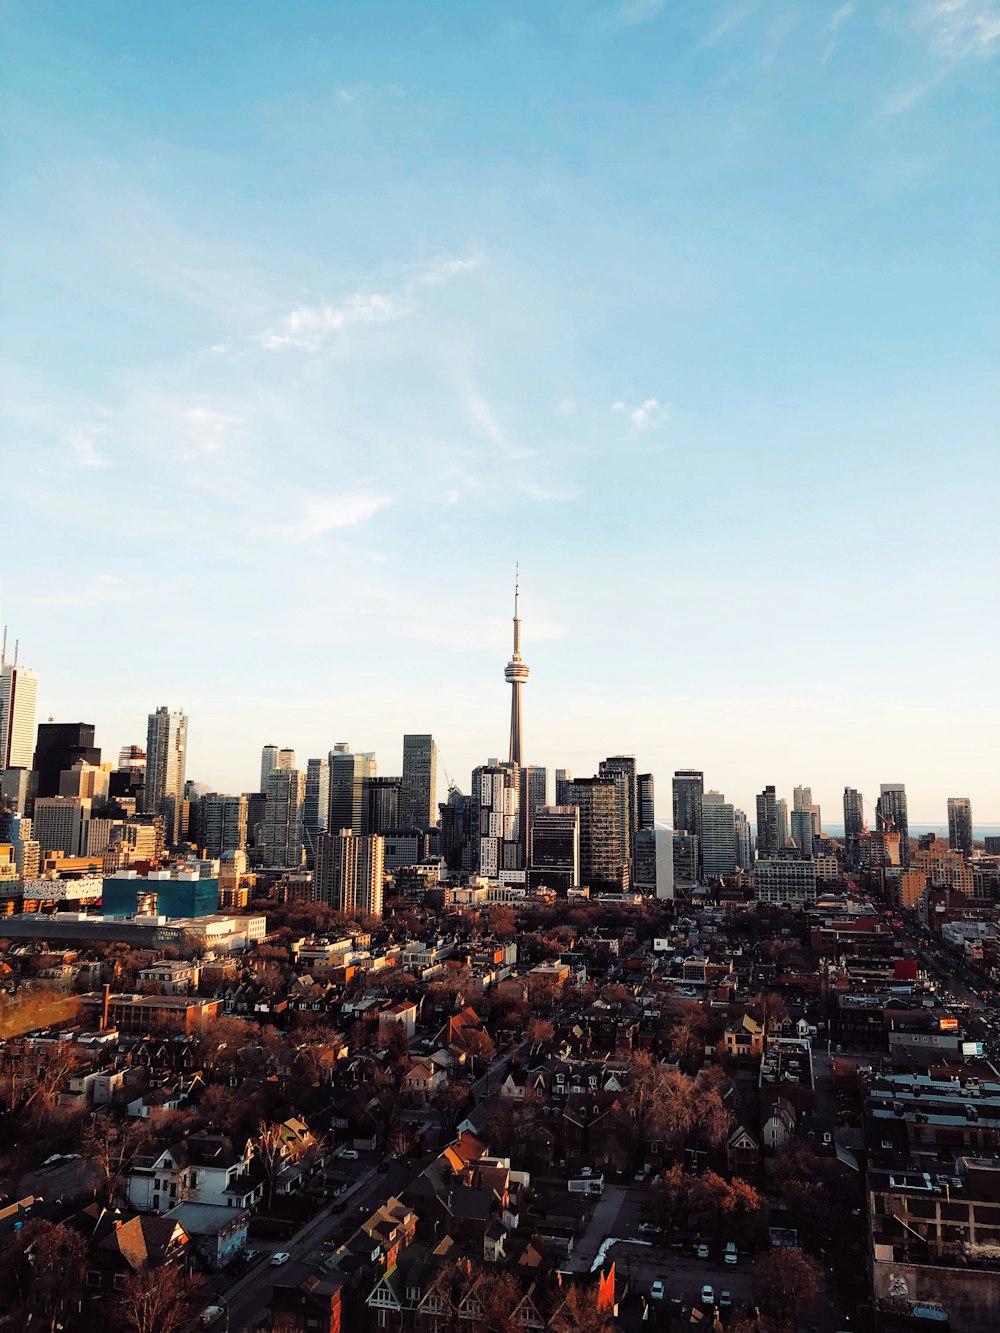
(516, 673)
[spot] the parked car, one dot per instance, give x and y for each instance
(350, 1153)
(730, 1254)
(725, 1300)
(702, 1251)
(210, 1315)
(658, 1290)
(707, 1295)
(251, 1256)
(279, 1258)
(649, 1229)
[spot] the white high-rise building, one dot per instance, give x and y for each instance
(166, 755)
(18, 695)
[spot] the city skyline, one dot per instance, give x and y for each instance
(688, 307)
(586, 760)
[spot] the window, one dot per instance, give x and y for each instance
(93, 1277)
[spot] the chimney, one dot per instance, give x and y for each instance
(105, 1005)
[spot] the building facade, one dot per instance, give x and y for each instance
(166, 756)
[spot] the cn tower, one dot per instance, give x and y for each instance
(517, 673)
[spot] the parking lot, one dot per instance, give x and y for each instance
(682, 1275)
(614, 1234)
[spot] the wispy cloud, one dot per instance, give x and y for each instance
(839, 16)
(329, 513)
(957, 29)
(308, 327)
(725, 26)
(482, 414)
(647, 415)
(207, 430)
(83, 445)
(906, 100)
(780, 30)
(536, 491)
(632, 12)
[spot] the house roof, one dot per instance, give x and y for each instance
(143, 1242)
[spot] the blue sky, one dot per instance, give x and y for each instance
(318, 316)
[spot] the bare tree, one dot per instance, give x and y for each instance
(113, 1145)
(786, 1280)
(57, 1256)
(269, 1148)
(157, 1300)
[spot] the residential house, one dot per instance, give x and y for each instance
(204, 1168)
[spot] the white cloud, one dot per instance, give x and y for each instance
(329, 513)
(781, 30)
(534, 491)
(344, 95)
(957, 29)
(206, 430)
(725, 25)
(309, 326)
(648, 415)
(638, 11)
(83, 443)
(482, 415)
(840, 16)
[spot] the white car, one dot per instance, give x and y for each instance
(280, 1257)
(707, 1295)
(210, 1315)
(350, 1153)
(657, 1290)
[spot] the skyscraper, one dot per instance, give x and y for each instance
(282, 832)
(688, 788)
(382, 804)
(744, 840)
(563, 778)
(350, 872)
(268, 763)
(315, 805)
(18, 695)
(516, 673)
(222, 824)
(272, 758)
(60, 824)
(555, 847)
(769, 839)
(495, 798)
(166, 753)
(802, 799)
(781, 816)
(647, 803)
(533, 782)
(804, 829)
(718, 854)
(601, 864)
(418, 804)
(347, 775)
(60, 746)
(890, 814)
(854, 826)
(960, 825)
(621, 768)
